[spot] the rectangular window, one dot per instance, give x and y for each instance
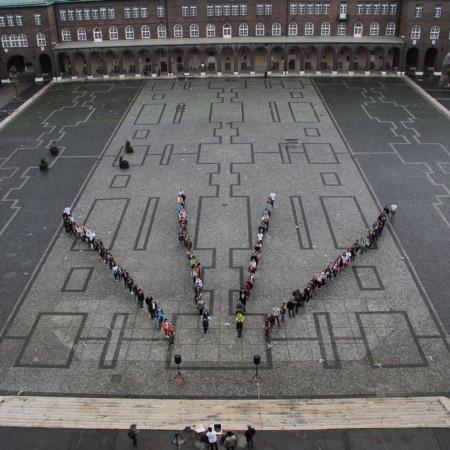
(2, 21)
(393, 9)
(235, 10)
(218, 10)
(341, 29)
(10, 20)
(127, 13)
(94, 14)
(144, 12)
(62, 15)
(359, 8)
(368, 8)
(293, 9)
(259, 10)
(318, 8)
(193, 10)
(103, 13)
(343, 9)
(418, 11)
(376, 8)
(226, 10)
(437, 12)
(243, 9)
(384, 8)
(268, 9)
(326, 8)
(71, 14)
(111, 13)
(37, 19)
(309, 8)
(210, 10)
(135, 12)
(19, 21)
(87, 14)
(184, 11)
(79, 14)
(160, 11)
(302, 9)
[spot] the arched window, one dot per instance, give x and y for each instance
(434, 32)
(23, 40)
(178, 31)
(259, 30)
(276, 29)
(129, 32)
(292, 29)
(415, 32)
(243, 30)
(40, 40)
(358, 29)
(162, 32)
(6, 42)
(390, 29)
(309, 29)
(145, 32)
(81, 34)
(113, 33)
(325, 29)
(194, 30)
(341, 29)
(374, 29)
(97, 32)
(210, 30)
(227, 31)
(14, 40)
(65, 35)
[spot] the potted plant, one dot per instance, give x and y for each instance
(43, 165)
(128, 147)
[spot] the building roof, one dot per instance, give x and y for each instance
(25, 3)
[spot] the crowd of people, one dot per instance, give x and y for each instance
(255, 259)
(301, 296)
(155, 312)
(194, 264)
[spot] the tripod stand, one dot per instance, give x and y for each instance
(178, 377)
(256, 377)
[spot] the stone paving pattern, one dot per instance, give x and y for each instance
(228, 143)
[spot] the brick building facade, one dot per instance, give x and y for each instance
(144, 37)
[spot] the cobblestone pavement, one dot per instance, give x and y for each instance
(407, 439)
(227, 143)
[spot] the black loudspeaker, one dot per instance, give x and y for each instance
(256, 360)
(177, 359)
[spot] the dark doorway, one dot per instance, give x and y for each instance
(412, 58)
(16, 63)
(430, 58)
(46, 65)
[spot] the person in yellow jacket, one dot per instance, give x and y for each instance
(239, 317)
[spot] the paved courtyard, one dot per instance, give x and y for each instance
(380, 328)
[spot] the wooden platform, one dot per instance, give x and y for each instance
(156, 414)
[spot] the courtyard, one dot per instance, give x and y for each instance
(335, 150)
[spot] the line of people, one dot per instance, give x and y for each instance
(300, 297)
(120, 274)
(193, 263)
(255, 259)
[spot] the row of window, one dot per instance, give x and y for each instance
(14, 40)
(376, 8)
(227, 31)
(11, 21)
(227, 10)
(437, 13)
(87, 14)
(416, 31)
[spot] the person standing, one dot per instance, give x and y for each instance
(239, 323)
(276, 312)
(249, 434)
(290, 307)
(132, 434)
(205, 321)
(172, 334)
(212, 439)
